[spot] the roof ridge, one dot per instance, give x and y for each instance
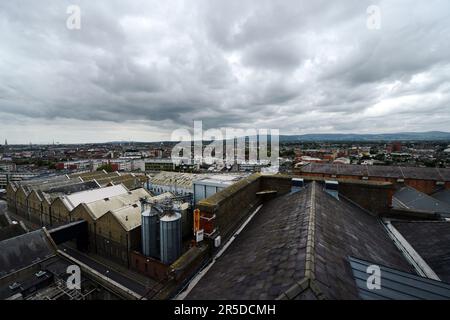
(301, 286)
(310, 242)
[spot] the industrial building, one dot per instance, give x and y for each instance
(199, 185)
(263, 236)
(13, 176)
(206, 187)
(49, 200)
(427, 180)
(113, 224)
(303, 242)
(33, 268)
(183, 165)
(174, 182)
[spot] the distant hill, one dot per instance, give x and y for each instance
(401, 136)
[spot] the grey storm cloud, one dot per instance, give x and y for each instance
(144, 68)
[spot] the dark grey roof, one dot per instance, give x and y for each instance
(443, 195)
(266, 257)
(3, 221)
(431, 240)
(397, 285)
(437, 174)
(22, 251)
(410, 198)
(73, 188)
(344, 230)
(269, 258)
(11, 231)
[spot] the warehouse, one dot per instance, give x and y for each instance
(42, 200)
(93, 211)
(427, 180)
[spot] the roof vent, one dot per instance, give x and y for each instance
(14, 286)
(40, 274)
(332, 188)
(297, 184)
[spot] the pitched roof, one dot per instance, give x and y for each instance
(12, 230)
(437, 174)
(24, 250)
(443, 195)
(182, 180)
(397, 285)
(431, 240)
(129, 216)
(73, 200)
(297, 246)
(100, 207)
(410, 198)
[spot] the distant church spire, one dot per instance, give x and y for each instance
(6, 142)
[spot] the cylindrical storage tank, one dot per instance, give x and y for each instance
(170, 237)
(150, 230)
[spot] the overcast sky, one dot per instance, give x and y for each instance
(136, 70)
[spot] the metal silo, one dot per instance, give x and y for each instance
(170, 237)
(150, 230)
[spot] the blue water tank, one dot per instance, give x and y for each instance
(170, 237)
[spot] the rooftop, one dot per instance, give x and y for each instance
(100, 207)
(410, 198)
(73, 200)
(129, 216)
(431, 240)
(294, 244)
(443, 195)
(24, 250)
(437, 174)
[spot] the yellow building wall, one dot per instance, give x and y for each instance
(35, 208)
(111, 239)
(21, 202)
(60, 214)
(46, 213)
(11, 197)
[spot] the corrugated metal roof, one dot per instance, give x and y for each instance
(397, 285)
(100, 207)
(183, 180)
(73, 200)
(129, 217)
